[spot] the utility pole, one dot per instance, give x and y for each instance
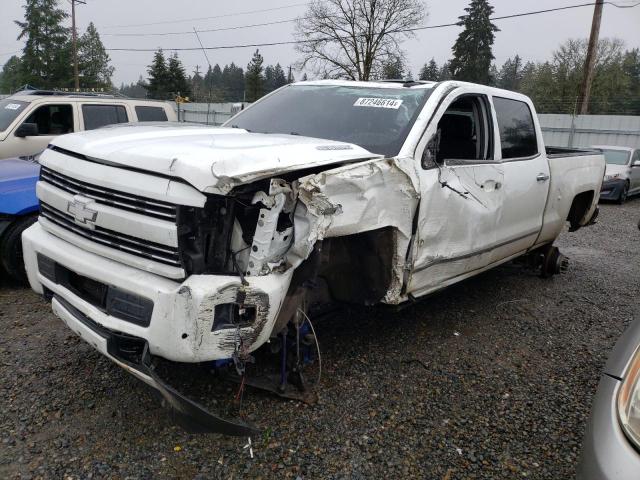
(74, 36)
(590, 62)
(196, 87)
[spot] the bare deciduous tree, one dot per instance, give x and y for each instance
(354, 38)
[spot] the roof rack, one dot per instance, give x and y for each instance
(71, 93)
(406, 82)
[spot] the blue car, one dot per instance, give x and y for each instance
(18, 211)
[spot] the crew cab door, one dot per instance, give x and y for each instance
(526, 175)
(462, 192)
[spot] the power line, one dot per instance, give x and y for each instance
(291, 20)
(190, 32)
(249, 12)
(407, 30)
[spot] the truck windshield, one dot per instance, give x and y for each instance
(9, 110)
(616, 157)
(377, 119)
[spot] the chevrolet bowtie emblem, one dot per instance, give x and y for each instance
(79, 210)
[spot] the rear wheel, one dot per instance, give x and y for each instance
(624, 193)
(11, 248)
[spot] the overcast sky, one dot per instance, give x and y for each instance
(533, 37)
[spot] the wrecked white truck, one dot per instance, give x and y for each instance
(198, 244)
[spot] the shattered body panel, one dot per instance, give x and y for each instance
(359, 198)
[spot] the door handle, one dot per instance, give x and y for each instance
(542, 177)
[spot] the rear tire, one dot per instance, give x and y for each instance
(11, 248)
(624, 193)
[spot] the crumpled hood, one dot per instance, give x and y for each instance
(212, 159)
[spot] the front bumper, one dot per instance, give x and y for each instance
(181, 323)
(132, 354)
(606, 452)
(611, 189)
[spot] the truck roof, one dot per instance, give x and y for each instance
(416, 84)
(375, 84)
(31, 95)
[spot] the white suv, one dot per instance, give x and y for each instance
(30, 119)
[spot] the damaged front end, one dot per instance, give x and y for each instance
(258, 259)
(337, 236)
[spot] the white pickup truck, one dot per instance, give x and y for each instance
(192, 244)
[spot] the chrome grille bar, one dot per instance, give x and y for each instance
(105, 196)
(119, 241)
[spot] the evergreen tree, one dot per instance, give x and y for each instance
(134, 90)
(233, 83)
(290, 77)
(279, 78)
(11, 75)
(445, 72)
(304, 77)
(472, 54)
(93, 61)
(157, 86)
(213, 84)
(177, 82)
(430, 71)
(254, 78)
(46, 56)
(631, 69)
(510, 74)
(393, 69)
(269, 79)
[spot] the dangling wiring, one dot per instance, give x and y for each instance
(313, 330)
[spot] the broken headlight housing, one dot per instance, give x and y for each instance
(629, 401)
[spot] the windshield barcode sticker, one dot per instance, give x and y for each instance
(378, 103)
(13, 106)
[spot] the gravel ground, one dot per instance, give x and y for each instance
(512, 363)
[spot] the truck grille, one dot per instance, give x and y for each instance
(112, 198)
(119, 241)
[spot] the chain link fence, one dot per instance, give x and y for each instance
(208, 113)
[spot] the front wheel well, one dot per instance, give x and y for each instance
(580, 208)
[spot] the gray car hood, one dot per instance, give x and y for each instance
(212, 159)
(612, 169)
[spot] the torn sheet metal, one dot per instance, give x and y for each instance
(354, 199)
(269, 242)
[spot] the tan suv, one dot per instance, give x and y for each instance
(31, 118)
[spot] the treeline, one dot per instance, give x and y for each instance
(47, 59)
(231, 83)
(554, 85)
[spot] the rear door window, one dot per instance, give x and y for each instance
(151, 114)
(52, 119)
(517, 129)
(96, 116)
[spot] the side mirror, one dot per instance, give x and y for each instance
(430, 154)
(636, 163)
(27, 130)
